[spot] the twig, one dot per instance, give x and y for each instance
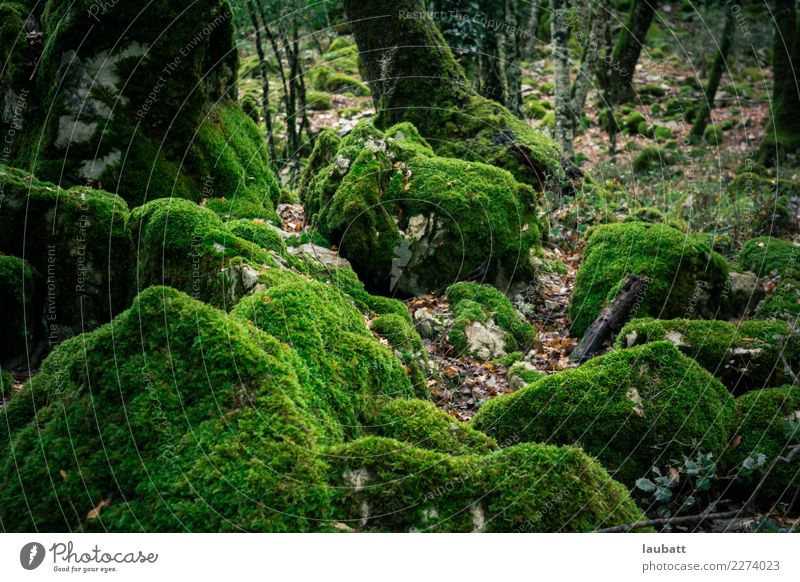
(671, 521)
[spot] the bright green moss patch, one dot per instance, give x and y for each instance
(478, 308)
(386, 485)
(766, 255)
(412, 222)
(407, 345)
(257, 232)
(318, 100)
(767, 423)
(685, 277)
(632, 409)
(325, 78)
(523, 373)
(783, 303)
(744, 357)
(653, 159)
(423, 425)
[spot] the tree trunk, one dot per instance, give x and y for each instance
(533, 25)
(512, 52)
(597, 23)
(413, 77)
(264, 73)
(628, 48)
(703, 114)
(564, 115)
(611, 319)
(783, 132)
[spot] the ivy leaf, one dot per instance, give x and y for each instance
(663, 495)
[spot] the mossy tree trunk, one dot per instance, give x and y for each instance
(533, 25)
(512, 50)
(783, 133)
(414, 77)
(564, 115)
(491, 63)
(703, 114)
(628, 47)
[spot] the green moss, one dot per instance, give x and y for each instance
(326, 145)
(783, 303)
(523, 374)
(767, 423)
(421, 424)
(386, 485)
(318, 100)
(744, 357)
(633, 120)
(76, 240)
(536, 108)
(18, 304)
(257, 232)
(685, 277)
(341, 42)
(653, 158)
(398, 213)
(766, 256)
(713, 135)
(475, 303)
(324, 78)
(407, 344)
(631, 408)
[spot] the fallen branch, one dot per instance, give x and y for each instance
(611, 319)
(700, 517)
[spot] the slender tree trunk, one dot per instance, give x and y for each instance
(533, 25)
(783, 132)
(513, 54)
(628, 48)
(564, 114)
(703, 114)
(491, 65)
(264, 73)
(597, 21)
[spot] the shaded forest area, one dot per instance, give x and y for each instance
(486, 265)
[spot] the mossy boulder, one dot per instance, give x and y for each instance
(259, 232)
(652, 159)
(767, 256)
(185, 246)
(486, 324)
(744, 357)
(633, 120)
(318, 100)
(768, 423)
(384, 485)
(408, 347)
(78, 243)
(421, 424)
(783, 303)
(325, 78)
(685, 278)
(18, 304)
(523, 373)
(412, 222)
(180, 417)
(138, 110)
(632, 409)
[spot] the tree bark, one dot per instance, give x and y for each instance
(533, 25)
(611, 319)
(628, 48)
(564, 115)
(264, 73)
(703, 114)
(783, 131)
(512, 52)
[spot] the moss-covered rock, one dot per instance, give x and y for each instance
(407, 346)
(318, 100)
(768, 423)
(136, 109)
(653, 158)
(767, 256)
(783, 303)
(325, 78)
(185, 246)
(523, 373)
(18, 304)
(385, 485)
(412, 222)
(632, 409)
(258, 232)
(685, 277)
(179, 417)
(76, 240)
(486, 324)
(744, 357)
(421, 424)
